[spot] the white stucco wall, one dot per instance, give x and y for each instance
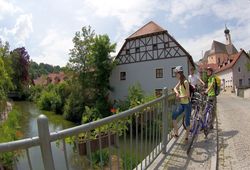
(247, 93)
(243, 74)
(144, 73)
(227, 76)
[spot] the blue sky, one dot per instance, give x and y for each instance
(46, 27)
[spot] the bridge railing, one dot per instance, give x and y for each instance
(131, 139)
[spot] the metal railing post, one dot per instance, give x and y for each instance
(44, 138)
(164, 121)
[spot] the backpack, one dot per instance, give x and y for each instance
(191, 89)
(217, 85)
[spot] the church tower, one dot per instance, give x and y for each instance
(228, 36)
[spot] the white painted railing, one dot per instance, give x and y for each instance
(146, 132)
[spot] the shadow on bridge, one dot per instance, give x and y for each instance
(200, 156)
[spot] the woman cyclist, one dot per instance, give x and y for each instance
(182, 93)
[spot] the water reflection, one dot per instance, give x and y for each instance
(29, 126)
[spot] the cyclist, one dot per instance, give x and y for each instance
(194, 78)
(210, 91)
(182, 93)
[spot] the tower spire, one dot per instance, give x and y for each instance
(227, 35)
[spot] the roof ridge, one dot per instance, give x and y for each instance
(137, 33)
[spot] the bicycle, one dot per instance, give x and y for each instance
(201, 120)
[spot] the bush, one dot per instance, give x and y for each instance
(35, 93)
(97, 159)
(50, 101)
(128, 160)
(73, 108)
(10, 131)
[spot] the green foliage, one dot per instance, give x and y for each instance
(135, 95)
(90, 114)
(97, 159)
(74, 107)
(37, 70)
(50, 101)
(5, 85)
(20, 64)
(90, 60)
(128, 160)
(35, 92)
(5, 70)
(10, 131)
(80, 56)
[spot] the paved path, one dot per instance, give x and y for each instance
(234, 132)
(202, 155)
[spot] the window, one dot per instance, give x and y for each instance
(158, 92)
(240, 82)
(173, 72)
(155, 47)
(159, 73)
(249, 81)
(137, 49)
(127, 51)
(238, 69)
(122, 75)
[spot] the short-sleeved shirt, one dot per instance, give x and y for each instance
(183, 92)
(193, 79)
(211, 80)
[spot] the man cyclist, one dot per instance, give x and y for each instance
(194, 78)
(210, 91)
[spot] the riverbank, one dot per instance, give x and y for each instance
(4, 114)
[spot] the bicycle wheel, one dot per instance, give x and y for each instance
(208, 122)
(194, 134)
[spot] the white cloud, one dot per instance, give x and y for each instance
(196, 46)
(22, 29)
(184, 11)
(226, 11)
(7, 8)
(54, 48)
(130, 13)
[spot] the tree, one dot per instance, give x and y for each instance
(90, 60)
(80, 56)
(20, 65)
(103, 66)
(5, 80)
(5, 85)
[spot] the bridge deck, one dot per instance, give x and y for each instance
(203, 154)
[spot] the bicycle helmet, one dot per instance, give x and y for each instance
(178, 69)
(210, 69)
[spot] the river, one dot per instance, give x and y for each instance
(30, 114)
(29, 127)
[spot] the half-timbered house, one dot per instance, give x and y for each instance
(148, 57)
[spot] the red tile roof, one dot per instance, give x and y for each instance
(149, 28)
(230, 65)
(52, 77)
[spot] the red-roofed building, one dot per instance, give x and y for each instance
(234, 73)
(227, 63)
(219, 53)
(52, 78)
